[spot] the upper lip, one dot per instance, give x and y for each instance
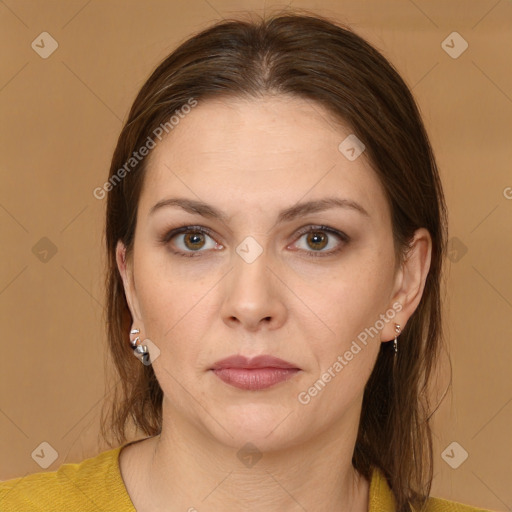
(263, 361)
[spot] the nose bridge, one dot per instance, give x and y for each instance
(251, 294)
(250, 266)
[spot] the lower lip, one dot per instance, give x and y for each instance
(255, 378)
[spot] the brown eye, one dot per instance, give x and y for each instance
(193, 240)
(317, 240)
(189, 240)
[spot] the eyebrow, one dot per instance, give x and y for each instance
(286, 215)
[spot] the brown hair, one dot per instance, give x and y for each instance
(314, 58)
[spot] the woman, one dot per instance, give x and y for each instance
(275, 230)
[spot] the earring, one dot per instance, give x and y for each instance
(140, 351)
(137, 339)
(395, 342)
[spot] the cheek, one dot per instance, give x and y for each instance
(343, 351)
(171, 307)
(347, 306)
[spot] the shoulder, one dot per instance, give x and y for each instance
(382, 498)
(442, 505)
(91, 485)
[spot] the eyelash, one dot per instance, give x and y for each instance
(199, 229)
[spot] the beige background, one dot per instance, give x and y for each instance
(60, 120)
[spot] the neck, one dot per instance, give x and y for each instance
(189, 470)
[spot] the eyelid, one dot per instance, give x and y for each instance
(171, 233)
(319, 227)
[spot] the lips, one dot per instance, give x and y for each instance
(254, 374)
(264, 361)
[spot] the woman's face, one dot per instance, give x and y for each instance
(257, 283)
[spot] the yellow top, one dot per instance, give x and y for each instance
(96, 484)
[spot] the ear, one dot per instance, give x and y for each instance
(410, 282)
(125, 267)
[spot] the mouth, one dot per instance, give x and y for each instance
(254, 374)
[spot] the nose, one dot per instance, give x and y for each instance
(254, 294)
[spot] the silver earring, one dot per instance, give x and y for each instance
(395, 342)
(140, 351)
(137, 339)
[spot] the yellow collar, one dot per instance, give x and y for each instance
(381, 498)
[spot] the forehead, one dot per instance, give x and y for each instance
(278, 149)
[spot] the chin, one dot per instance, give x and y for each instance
(267, 427)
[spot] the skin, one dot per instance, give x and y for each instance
(251, 159)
